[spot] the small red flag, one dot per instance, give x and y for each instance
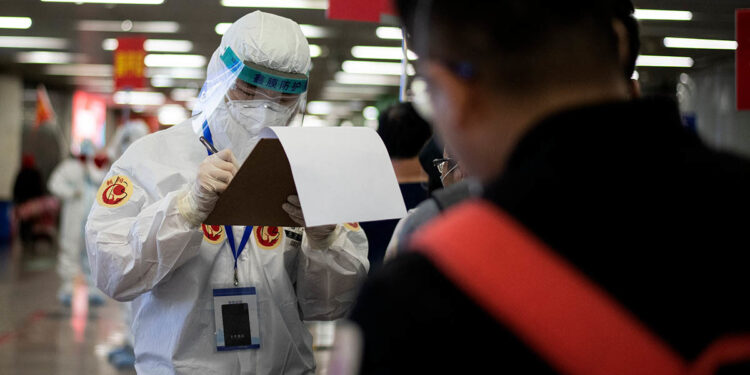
(44, 111)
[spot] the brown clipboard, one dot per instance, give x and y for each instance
(260, 187)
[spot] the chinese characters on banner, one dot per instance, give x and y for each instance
(360, 10)
(129, 67)
(743, 59)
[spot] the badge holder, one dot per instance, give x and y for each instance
(236, 316)
(236, 309)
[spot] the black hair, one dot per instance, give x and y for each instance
(432, 150)
(517, 45)
(403, 131)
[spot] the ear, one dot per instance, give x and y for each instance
(635, 89)
(623, 42)
(449, 95)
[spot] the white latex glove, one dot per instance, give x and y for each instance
(317, 234)
(214, 175)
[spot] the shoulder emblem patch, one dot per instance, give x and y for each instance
(213, 234)
(115, 191)
(268, 238)
(352, 226)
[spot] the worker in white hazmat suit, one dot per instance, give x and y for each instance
(221, 299)
(75, 182)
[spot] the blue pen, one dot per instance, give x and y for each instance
(211, 149)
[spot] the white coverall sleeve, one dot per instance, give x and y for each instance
(329, 274)
(61, 183)
(134, 247)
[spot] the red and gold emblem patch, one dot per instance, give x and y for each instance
(352, 226)
(115, 191)
(213, 234)
(268, 238)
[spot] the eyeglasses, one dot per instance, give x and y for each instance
(445, 165)
(242, 90)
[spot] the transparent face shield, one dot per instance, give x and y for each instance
(239, 99)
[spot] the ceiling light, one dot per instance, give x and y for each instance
(221, 28)
(15, 22)
(386, 32)
(312, 121)
(663, 15)
(139, 98)
(312, 31)
(83, 70)
(32, 42)
(385, 53)
(128, 26)
(178, 61)
(109, 44)
(339, 92)
(155, 45)
(183, 95)
(141, 2)
(296, 4)
(370, 113)
(700, 43)
(665, 61)
(177, 73)
(369, 67)
(636, 76)
(172, 114)
(167, 45)
(45, 57)
(366, 79)
(315, 51)
(162, 81)
(98, 84)
(319, 108)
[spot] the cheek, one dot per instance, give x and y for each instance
(443, 118)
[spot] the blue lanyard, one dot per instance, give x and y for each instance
(228, 228)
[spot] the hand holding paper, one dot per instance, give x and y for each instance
(294, 209)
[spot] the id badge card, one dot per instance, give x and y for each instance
(236, 316)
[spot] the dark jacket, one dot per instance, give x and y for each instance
(623, 192)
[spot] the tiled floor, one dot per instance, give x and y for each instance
(40, 336)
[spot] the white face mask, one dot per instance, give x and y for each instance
(236, 124)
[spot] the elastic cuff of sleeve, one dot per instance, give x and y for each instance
(323, 243)
(187, 208)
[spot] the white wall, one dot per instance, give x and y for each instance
(11, 108)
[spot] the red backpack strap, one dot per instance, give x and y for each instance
(724, 351)
(560, 314)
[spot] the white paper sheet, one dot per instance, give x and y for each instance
(342, 174)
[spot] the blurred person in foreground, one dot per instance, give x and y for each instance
(404, 133)
(211, 299)
(75, 181)
(451, 175)
(608, 238)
